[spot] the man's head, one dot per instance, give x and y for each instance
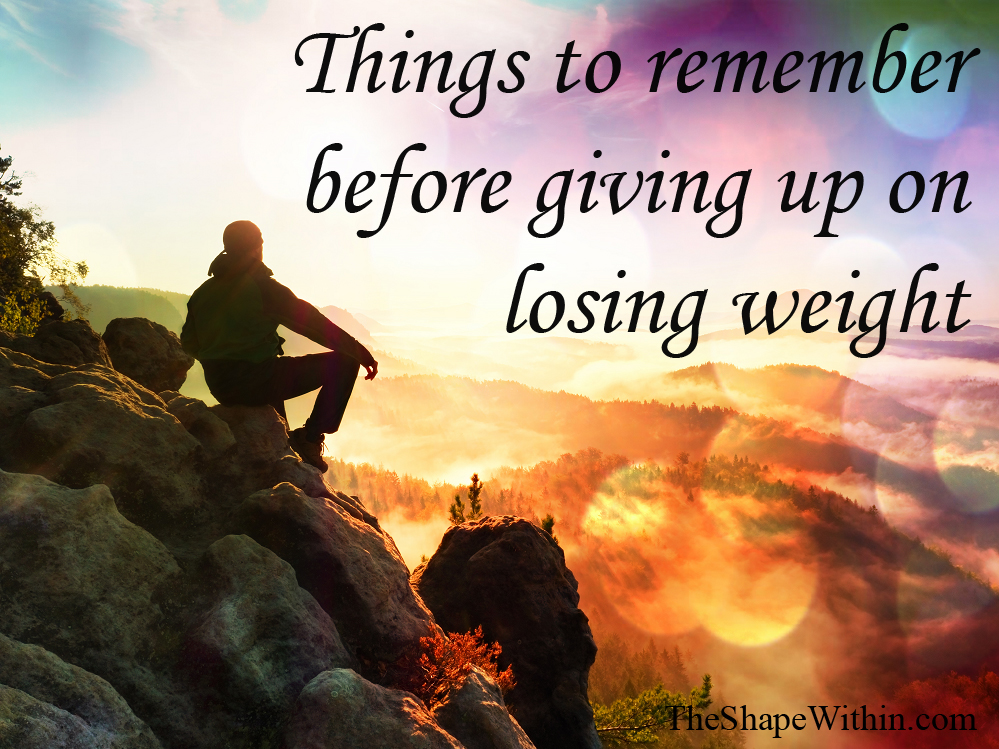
(243, 239)
(244, 250)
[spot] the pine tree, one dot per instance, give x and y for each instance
(474, 505)
(457, 510)
(548, 526)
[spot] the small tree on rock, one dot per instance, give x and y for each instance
(474, 505)
(457, 510)
(548, 526)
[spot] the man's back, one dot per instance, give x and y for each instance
(227, 319)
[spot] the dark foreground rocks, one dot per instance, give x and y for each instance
(476, 715)
(46, 702)
(173, 575)
(509, 577)
(341, 710)
(352, 569)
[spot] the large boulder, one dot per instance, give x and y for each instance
(352, 569)
(147, 352)
(255, 639)
(86, 425)
(476, 715)
(77, 576)
(87, 585)
(340, 710)
(70, 342)
(29, 723)
(53, 703)
(509, 577)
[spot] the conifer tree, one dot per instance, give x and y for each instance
(474, 505)
(548, 526)
(457, 510)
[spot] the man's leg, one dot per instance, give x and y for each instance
(333, 372)
(339, 375)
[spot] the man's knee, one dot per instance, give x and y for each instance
(344, 363)
(339, 368)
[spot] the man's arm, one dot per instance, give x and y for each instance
(303, 318)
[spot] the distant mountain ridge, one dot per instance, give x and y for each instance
(169, 309)
(108, 302)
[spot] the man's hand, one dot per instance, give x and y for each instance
(372, 371)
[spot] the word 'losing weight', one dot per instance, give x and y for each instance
(548, 310)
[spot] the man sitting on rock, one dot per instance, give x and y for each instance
(231, 329)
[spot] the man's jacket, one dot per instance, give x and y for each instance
(234, 316)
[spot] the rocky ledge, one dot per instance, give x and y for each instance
(172, 575)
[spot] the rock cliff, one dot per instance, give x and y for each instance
(173, 575)
(508, 576)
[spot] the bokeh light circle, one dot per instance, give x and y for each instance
(931, 114)
(670, 563)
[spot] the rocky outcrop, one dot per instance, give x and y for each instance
(174, 575)
(71, 342)
(340, 710)
(46, 702)
(353, 570)
(509, 577)
(80, 426)
(476, 715)
(147, 352)
(176, 469)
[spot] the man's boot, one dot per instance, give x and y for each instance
(308, 451)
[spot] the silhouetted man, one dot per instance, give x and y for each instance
(231, 329)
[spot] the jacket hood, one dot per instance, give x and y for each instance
(225, 265)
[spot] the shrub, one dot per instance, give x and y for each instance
(442, 664)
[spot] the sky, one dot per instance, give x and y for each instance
(145, 127)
